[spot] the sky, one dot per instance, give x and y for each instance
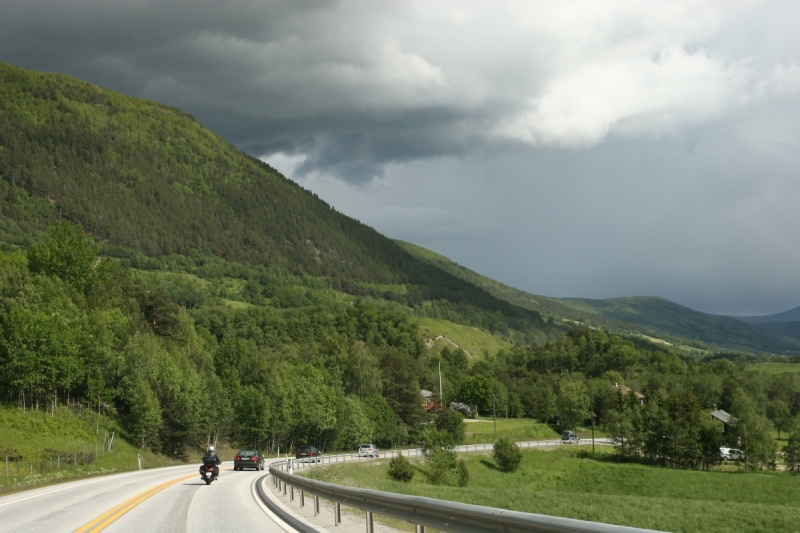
(591, 149)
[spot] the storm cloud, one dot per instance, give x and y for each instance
(590, 149)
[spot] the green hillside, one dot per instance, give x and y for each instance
(440, 334)
(643, 316)
(549, 307)
(667, 317)
(148, 179)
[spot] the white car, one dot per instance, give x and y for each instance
(368, 450)
(730, 454)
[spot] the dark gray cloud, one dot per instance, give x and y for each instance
(599, 149)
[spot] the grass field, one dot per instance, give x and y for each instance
(73, 441)
(517, 429)
(473, 340)
(558, 482)
(779, 368)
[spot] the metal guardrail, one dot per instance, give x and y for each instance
(427, 512)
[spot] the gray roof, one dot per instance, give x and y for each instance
(725, 418)
(426, 393)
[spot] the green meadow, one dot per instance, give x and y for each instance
(473, 340)
(779, 368)
(566, 482)
(39, 448)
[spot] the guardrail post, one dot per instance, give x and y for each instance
(302, 498)
(370, 526)
(291, 493)
(284, 488)
(337, 513)
(316, 505)
(419, 528)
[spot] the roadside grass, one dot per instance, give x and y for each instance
(558, 482)
(44, 448)
(518, 430)
(471, 339)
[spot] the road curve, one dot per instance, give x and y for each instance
(181, 505)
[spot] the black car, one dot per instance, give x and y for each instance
(248, 459)
(307, 454)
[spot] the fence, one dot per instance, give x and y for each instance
(21, 469)
(426, 512)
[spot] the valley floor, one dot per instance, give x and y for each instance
(559, 482)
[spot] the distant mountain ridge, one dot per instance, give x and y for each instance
(785, 324)
(661, 315)
(792, 315)
(643, 315)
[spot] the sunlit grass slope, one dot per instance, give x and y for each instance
(29, 439)
(557, 482)
(473, 340)
(482, 430)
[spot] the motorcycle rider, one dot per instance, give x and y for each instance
(210, 459)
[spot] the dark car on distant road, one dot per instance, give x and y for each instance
(307, 454)
(248, 459)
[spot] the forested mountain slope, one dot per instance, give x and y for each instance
(551, 307)
(144, 177)
(641, 315)
(664, 316)
(792, 315)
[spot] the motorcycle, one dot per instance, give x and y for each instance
(207, 474)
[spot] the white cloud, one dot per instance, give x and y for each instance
(642, 96)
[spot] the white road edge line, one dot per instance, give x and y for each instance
(264, 508)
(99, 478)
(102, 478)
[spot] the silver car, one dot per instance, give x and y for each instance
(368, 450)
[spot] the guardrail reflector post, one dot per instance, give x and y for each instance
(337, 513)
(370, 527)
(316, 505)
(420, 529)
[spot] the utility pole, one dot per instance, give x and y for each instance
(592, 407)
(441, 394)
(494, 416)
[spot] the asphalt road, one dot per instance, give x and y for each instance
(183, 503)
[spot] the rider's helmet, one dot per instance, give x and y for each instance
(211, 448)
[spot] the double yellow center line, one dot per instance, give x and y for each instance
(105, 519)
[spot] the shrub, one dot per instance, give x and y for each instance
(440, 463)
(400, 469)
(463, 473)
(451, 422)
(506, 454)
